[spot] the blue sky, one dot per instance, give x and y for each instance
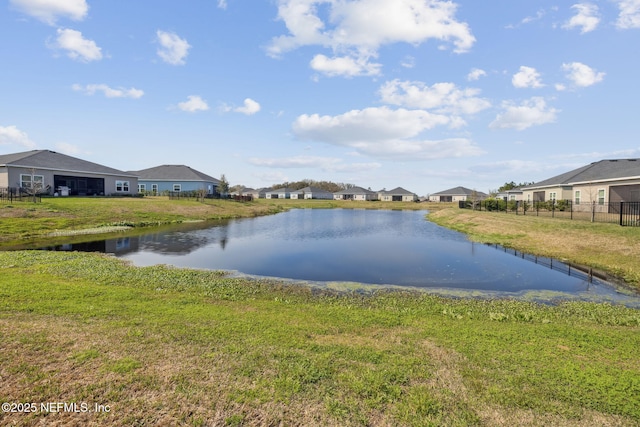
(427, 95)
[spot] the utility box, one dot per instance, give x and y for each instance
(64, 191)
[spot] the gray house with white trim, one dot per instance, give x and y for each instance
(174, 178)
(457, 194)
(355, 193)
(52, 172)
(312, 193)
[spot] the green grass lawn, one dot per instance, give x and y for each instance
(168, 346)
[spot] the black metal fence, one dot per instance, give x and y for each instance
(622, 213)
(12, 194)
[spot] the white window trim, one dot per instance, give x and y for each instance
(178, 186)
(36, 178)
(123, 185)
(577, 197)
(604, 196)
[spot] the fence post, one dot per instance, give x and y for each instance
(621, 206)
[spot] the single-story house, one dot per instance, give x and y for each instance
(312, 193)
(398, 194)
(355, 193)
(457, 194)
(278, 193)
(515, 194)
(50, 173)
(174, 178)
(260, 193)
(602, 182)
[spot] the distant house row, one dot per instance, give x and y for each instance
(398, 194)
(56, 173)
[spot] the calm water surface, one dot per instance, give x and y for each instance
(374, 247)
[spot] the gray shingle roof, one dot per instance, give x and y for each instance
(458, 191)
(355, 190)
(604, 170)
(398, 190)
(50, 160)
(173, 173)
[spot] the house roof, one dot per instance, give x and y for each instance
(50, 160)
(280, 190)
(312, 190)
(604, 170)
(355, 190)
(398, 190)
(459, 191)
(173, 173)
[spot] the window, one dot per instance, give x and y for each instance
(37, 184)
(142, 188)
(154, 188)
(176, 187)
(552, 196)
(577, 197)
(601, 197)
(122, 186)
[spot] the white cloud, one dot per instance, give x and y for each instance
(344, 66)
(11, 135)
(69, 149)
(193, 104)
(222, 4)
(77, 47)
(531, 112)
(408, 62)
(444, 98)
(357, 29)
(383, 133)
(108, 91)
(48, 11)
(527, 77)
(173, 49)
(629, 16)
(582, 75)
(249, 107)
(330, 164)
(586, 18)
(475, 74)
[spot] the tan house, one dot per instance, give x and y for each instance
(599, 183)
(398, 194)
(54, 173)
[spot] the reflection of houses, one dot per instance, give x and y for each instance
(457, 194)
(603, 182)
(174, 178)
(48, 170)
(398, 194)
(355, 193)
(311, 193)
(279, 193)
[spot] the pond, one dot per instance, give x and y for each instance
(358, 248)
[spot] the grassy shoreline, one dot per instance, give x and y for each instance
(161, 345)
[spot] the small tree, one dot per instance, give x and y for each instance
(35, 185)
(223, 186)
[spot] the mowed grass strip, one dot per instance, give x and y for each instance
(607, 247)
(168, 346)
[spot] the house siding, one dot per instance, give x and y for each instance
(11, 178)
(168, 186)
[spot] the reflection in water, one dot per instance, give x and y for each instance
(365, 246)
